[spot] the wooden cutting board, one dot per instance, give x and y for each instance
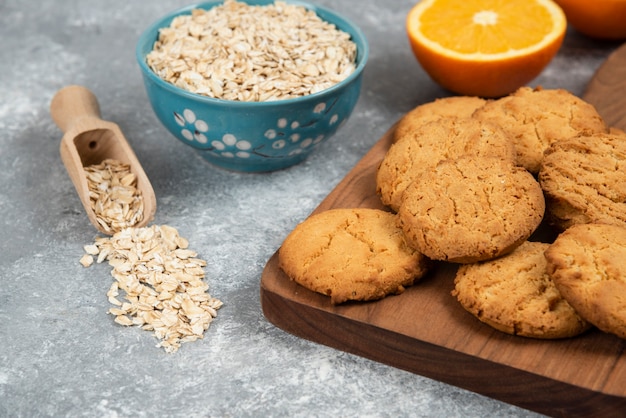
(425, 331)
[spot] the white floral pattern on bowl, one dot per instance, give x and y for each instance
(284, 134)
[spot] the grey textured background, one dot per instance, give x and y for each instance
(62, 355)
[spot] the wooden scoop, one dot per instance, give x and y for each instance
(89, 140)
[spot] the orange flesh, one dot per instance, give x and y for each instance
(493, 27)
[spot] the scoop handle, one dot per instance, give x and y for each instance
(71, 104)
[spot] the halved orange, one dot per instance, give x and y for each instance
(486, 48)
(602, 19)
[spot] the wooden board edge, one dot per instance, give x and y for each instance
(494, 380)
(601, 90)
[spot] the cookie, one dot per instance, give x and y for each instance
(514, 294)
(351, 254)
(471, 209)
(432, 142)
(587, 263)
(535, 118)
(454, 106)
(584, 180)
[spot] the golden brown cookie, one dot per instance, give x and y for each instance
(351, 254)
(587, 263)
(584, 180)
(471, 209)
(515, 294)
(535, 118)
(454, 106)
(432, 142)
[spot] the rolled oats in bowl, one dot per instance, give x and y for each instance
(253, 85)
(240, 51)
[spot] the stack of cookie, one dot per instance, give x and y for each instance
(469, 181)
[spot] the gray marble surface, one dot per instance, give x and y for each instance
(62, 355)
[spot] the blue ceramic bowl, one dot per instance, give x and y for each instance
(253, 136)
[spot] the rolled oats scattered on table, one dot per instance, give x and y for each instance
(242, 52)
(86, 260)
(162, 284)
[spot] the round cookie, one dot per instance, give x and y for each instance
(535, 118)
(432, 142)
(471, 209)
(584, 180)
(454, 106)
(351, 254)
(587, 263)
(515, 294)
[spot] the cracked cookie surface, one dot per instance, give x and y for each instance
(535, 118)
(424, 147)
(587, 263)
(584, 180)
(355, 254)
(471, 209)
(514, 294)
(445, 107)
